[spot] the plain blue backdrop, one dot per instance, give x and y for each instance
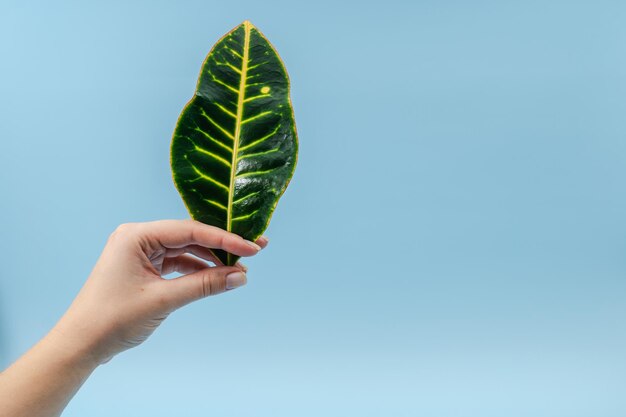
(453, 242)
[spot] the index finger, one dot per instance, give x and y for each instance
(180, 233)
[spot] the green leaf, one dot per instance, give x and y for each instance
(235, 146)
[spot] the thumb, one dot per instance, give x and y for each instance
(201, 284)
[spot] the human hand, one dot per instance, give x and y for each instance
(125, 298)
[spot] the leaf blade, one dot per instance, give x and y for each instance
(234, 149)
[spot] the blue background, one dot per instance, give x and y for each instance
(453, 242)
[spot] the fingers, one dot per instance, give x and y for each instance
(199, 252)
(201, 284)
(262, 241)
(180, 233)
(184, 264)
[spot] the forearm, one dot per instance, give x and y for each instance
(42, 382)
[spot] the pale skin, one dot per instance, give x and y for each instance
(122, 302)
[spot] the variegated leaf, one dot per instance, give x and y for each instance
(235, 147)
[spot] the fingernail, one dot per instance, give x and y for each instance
(235, 279)
(242, 266)
(254, 245)
(264, 239)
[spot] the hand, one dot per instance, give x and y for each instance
(125, 298)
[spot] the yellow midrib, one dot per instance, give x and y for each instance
(240, 100)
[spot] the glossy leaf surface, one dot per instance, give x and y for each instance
(234, 148)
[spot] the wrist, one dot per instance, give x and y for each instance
(74, 346)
